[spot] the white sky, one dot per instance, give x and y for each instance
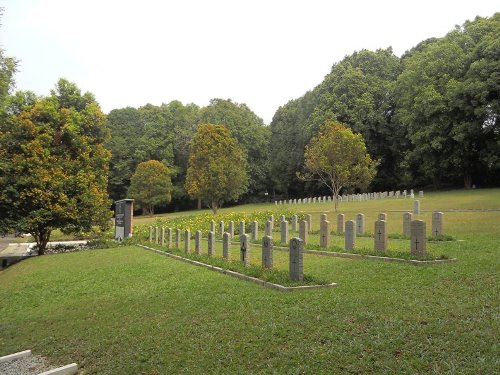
(258, 52)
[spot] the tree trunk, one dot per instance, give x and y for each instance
(467, 181)
(215, 206)
(151, 210)
(42, 239)
(199, 204)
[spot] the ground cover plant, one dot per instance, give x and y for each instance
(129, 311)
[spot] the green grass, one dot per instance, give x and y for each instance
(129, 311)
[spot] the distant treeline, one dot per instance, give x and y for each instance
(430, 117)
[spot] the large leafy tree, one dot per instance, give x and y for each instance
(151, 185)
(217, 169)
(448, 100)
(54, 166)
(337, 157)
(7, 70)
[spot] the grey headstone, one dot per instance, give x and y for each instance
(221, 227)
(177, 238)
(150, 234)
(211, 243)
(360, 223)
(309, 222)
(421, 194)
(163, 236)
(418, 239)
(323, 217)
(382, 216)
(231, 229)
(304, 231)
(255, 230)
(284, 231)
(295, 223)
(340, 224)
(244, 250)
(197, 242)
(416, 207)
(282, 218)
(267, 252)
(212, 226)
(226, 238)
(296, 259)
(157, 237)
(169, 238)
(437, 224)
(380, 235)
(187, 241)
(271, 221)
(324, 234)
(350, 235)
(269, 226)
(242, 228)
(407, 218)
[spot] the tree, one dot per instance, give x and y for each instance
(54, 166)
(338, 158)
(217, 167)
(151, 185)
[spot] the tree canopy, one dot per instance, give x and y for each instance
(54, 166)
(217, 168)
(337, 158)
(150, 185)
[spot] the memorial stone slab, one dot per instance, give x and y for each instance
(157, 236)
(324, 234)
(296, 268)
(150, 234)
(350, 235)
(284, 231)
(382, 216)
(177, 238)
(380, 235)
(226, 238)
(231, 228)
(187, 241)
(212, 226)
(418, 239)
(437, 224)
(268, 228)
(304, 231)
(221, 227)
(340, 224)
(295, 223)
(360, 223)
(197, 242)
(162, 236)
(211, 243)
(267, 252)
(169, 238)
(124, 217)
(255, 230)
(242, 228)
(416, 207)
(244, 250)
(309, 222)
(407, 218)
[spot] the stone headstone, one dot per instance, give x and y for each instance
(323, 217)
(231, 229)
(304, 231)
(284, 231)
(221, 227)
(416, 207)
(150, 234)
(244, 250)
(177, 238)
(255, 230)
(421, 194)
(418, 239)
(437, 224)
(324, 234)
(242, 228)
(360, 223)
(271, 221)
(169, 238)
(197, 242)
(267, 252)
(226, 238)
(309, 222)
(350, 235)
(157, 236)
(211, 243)
(282, 218)
(162, 236)
(382, 216)
(380, 235)
(124, 217)
(295, 223)
(296, 259)
(212, 226)
(187, 241)
(340, 224)
(269, 226)
(407, 218)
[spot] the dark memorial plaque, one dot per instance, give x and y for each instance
(124, 214)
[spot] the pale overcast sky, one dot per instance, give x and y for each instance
(262, 53)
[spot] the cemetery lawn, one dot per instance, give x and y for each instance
(130, 311)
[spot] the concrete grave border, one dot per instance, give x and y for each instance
(241, 276)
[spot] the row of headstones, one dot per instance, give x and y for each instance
(295, 258)
(354, 197)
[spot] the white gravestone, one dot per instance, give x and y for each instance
(231, 229)
(296, 261)
(267, 252)
(162, 236)
(324, 234)
(309, 223)
(380, 236)
(382, 216)
(157, 237)
(177, 238)
(416, 207)
(295, 223)
(187, 241)
(242, 228)
(197, 242)
(407, 218)
(269, 231)
(255, 230)
(418, 239)
(340, 224)
(304, 231)
(244, 250)
(323, 217)
(169, 237)
(212, 226)
(221, 227)
(437, 224)
(211, 243)
(150, 234)
(350, 235)
(226, 238)
(284, 231)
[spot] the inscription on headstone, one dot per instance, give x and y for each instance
(124, 217)
(226, 238)
(244, 250)
(211, 243)
(380, 235)
(267, 252)
(296, 267)
(418, 239)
